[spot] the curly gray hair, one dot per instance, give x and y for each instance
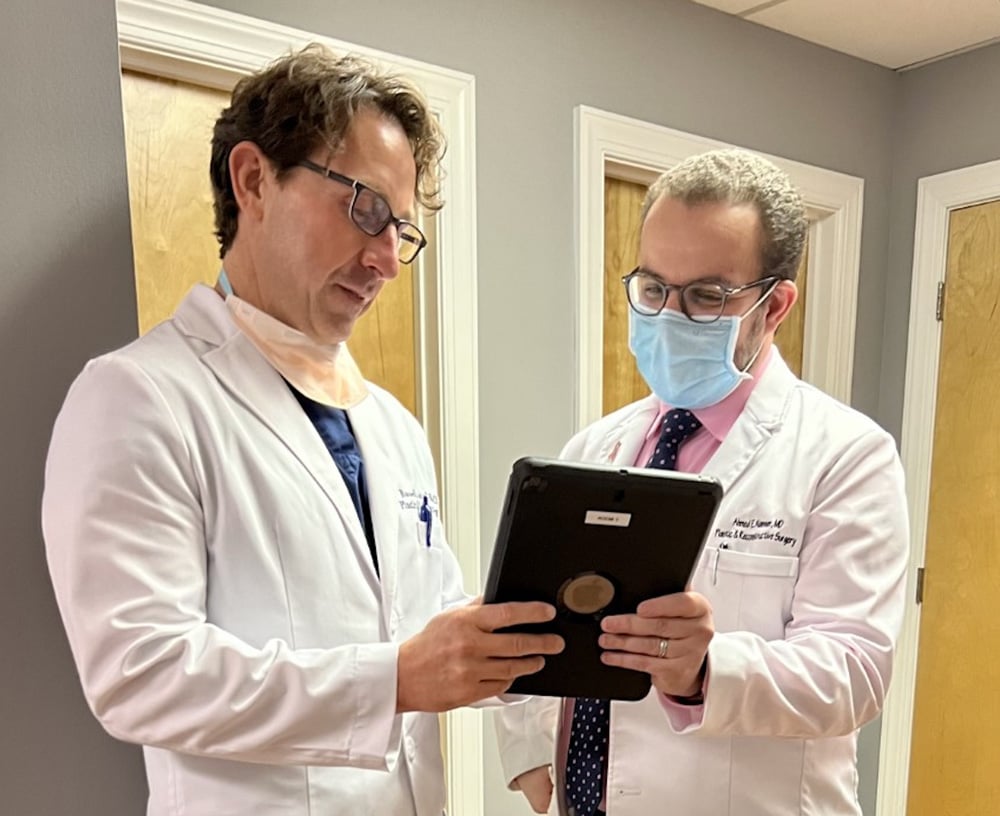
(739, 177)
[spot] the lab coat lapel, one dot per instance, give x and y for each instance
(624, 440)
(384, 492)
(254, 383)
(760, 419)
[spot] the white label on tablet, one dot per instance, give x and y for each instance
(608, 519)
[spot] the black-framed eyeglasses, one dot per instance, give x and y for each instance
(701, 301)
(371, 213)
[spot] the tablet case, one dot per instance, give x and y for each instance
(594, 541)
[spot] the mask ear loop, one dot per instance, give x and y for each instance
(224, 283)
(760, 300)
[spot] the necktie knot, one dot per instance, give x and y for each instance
(678, 425)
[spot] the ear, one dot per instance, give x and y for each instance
(250, 173)
(780, 303)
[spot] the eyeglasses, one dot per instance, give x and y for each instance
(371, 213)
(701, 301)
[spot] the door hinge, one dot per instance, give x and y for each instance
(939, 307)
(920, 585)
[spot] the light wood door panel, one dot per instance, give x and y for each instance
(792, 332)
(955, 760)
(622, 205)
(168, 134)
(622, 382)
(168, 126)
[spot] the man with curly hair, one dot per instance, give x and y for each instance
(243, 533)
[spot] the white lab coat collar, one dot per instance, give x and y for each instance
(626, 433)
(757, 423)
(383, 495)
(762, 416)
(252, 381)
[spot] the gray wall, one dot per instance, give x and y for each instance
(66, 293)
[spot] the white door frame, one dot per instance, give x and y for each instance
(937, 196)
(609, 144)
(207, 46)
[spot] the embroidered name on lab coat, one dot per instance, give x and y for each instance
(414, 500)
(752, 529)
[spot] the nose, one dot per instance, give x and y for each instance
(381, 253)
(673, 301)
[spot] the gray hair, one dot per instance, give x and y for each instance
(739, 177)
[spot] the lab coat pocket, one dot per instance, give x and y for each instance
(420, 578)
(749, 592)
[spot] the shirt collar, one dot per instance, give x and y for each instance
(718, 418)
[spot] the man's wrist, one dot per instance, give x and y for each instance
(697, 697)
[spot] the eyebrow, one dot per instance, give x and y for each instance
(707, 279)
(409, 217)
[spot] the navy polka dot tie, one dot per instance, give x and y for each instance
(678, 425)
(588, 736)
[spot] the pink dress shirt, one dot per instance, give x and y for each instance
(697, 450)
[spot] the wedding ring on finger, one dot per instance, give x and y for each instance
(662, 651)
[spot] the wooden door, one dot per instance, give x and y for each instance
(955, 760)
(790, 336)
(622, 205)
(168, 128)
(622, 382)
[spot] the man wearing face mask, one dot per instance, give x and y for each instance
(243, 534)
(782, 649)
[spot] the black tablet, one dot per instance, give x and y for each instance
(594, 541)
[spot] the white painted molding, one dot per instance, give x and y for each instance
(937, 196)
(639, 151)
(208, 46)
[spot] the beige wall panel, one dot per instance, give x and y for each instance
(956, 751)
(168, 127)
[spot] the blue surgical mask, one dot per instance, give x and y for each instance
(688, 364)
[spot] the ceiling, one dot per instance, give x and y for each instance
(898, 34)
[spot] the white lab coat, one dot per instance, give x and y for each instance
(804, 569)
(217, 588)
